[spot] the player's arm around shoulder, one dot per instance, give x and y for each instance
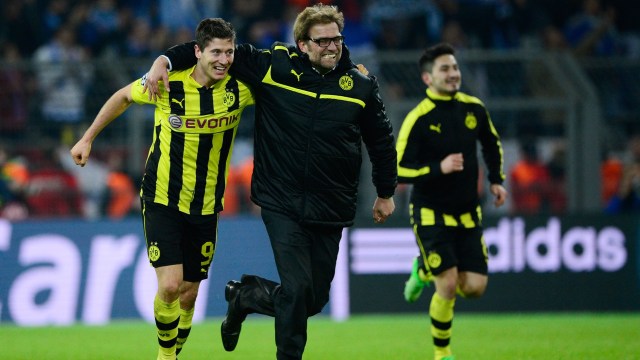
(251, 64)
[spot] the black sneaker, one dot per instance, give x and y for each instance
(232, 324)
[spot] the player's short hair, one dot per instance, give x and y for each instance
(316, 14)
(430, 55)
(214, 28)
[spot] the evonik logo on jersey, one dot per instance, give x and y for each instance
(177, 122)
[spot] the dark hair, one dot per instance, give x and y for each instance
(430, 55)
(214, 28)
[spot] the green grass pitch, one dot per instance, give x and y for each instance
(476, 336)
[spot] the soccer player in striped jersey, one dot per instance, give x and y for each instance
(186, 172)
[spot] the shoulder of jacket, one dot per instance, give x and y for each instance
(281, 48)
(230, 78)
(469, 99)
(357, 74)
(248, 50)
(423, 108)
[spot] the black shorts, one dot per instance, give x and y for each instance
(174, 237)
(443, 247)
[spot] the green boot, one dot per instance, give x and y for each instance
(414, 286)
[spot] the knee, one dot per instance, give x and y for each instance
(447, 288)
(297, 292)
(304, 294)
(317, 304)
(169, 288)
(319, 298)
(188, 295)
(473, 290)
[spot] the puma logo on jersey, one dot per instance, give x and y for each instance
(178, 102)
(296, 74)
(435, 128)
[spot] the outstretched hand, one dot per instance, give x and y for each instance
(80, 152)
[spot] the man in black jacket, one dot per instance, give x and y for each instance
(313, 110)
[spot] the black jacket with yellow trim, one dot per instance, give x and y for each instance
(309, 131)
(439, 126)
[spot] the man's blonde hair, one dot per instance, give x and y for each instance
(313, 15)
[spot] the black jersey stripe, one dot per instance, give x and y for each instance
(206, 101)
(202, 166)
(225, 150)
(176, 152)
(177, 97)
(151, 169)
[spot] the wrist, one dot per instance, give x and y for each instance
(167, 62)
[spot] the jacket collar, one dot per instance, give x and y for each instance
(433, 96)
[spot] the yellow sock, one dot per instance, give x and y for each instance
(441, 312)
(184, 328)
(167, 318)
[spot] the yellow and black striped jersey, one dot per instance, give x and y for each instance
(194, 130)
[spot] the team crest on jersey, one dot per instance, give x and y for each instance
(229, 99)
(154, 252)
(470, 121)
(175, 121)
(434, 260)
(346, 82)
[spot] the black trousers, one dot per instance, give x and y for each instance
(305, 256)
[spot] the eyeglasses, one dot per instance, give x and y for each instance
(325, 42)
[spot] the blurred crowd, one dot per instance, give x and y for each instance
(58, 37)
(537, 181)
(144, 28)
